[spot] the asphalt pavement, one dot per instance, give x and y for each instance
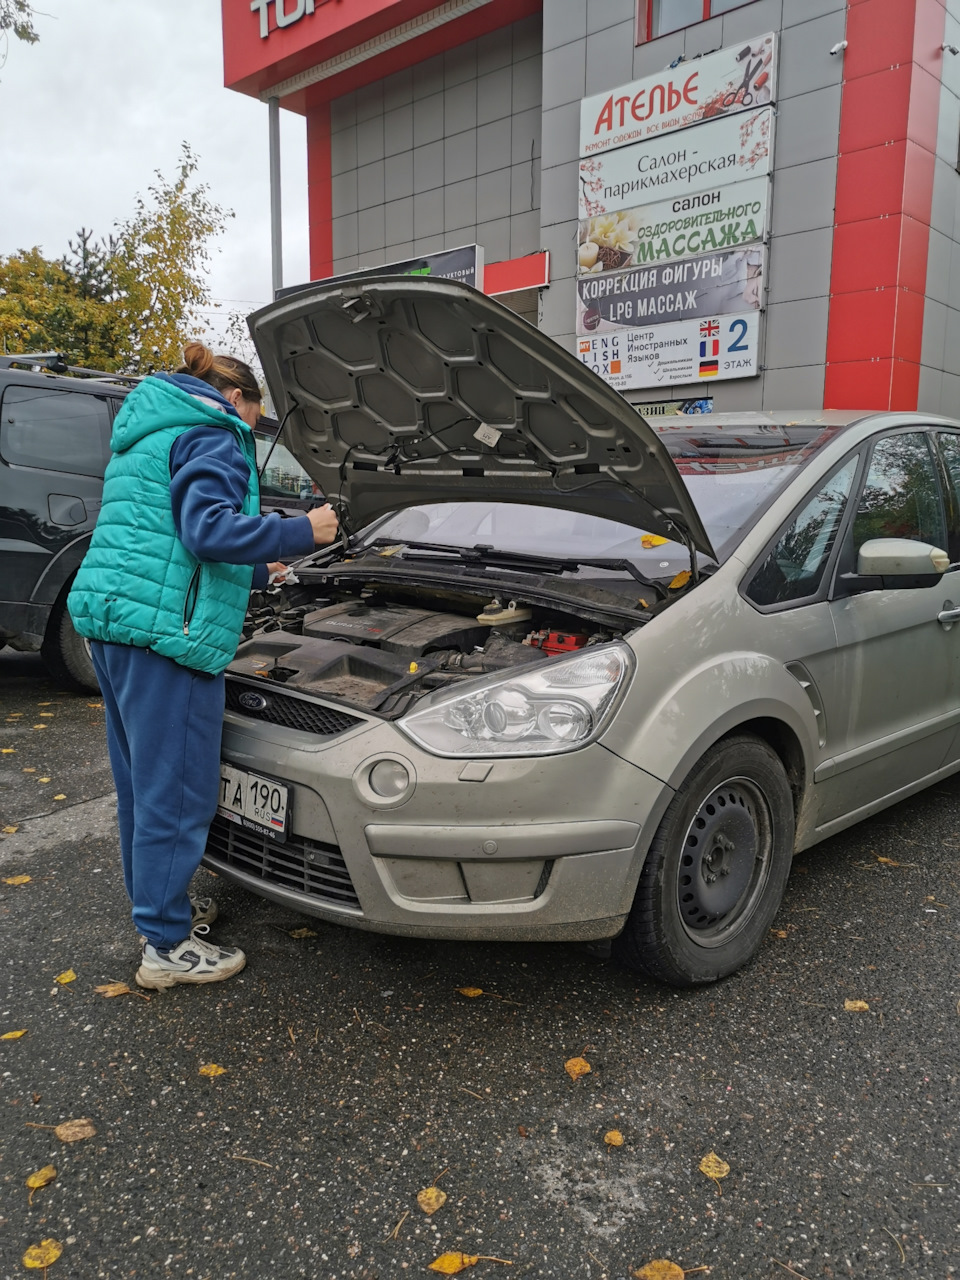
(355, 1074)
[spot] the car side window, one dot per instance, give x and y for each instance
(949, 443)
(901, 494)
(794, 567)
(55, 430)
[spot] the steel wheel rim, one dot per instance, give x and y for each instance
(725, 862)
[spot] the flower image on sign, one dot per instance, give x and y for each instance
(672, 168)
(723, 83)
(721, 218)
(712, 349)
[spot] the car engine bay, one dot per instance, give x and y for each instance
(381, 647)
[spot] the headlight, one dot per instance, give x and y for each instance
(558, 706)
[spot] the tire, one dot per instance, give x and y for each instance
(66, 654)
(716, 869)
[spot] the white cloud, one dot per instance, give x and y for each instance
(105, 99)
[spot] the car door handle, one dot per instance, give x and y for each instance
(949, 615)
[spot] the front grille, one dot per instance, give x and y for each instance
(305, 866)
(288, 710)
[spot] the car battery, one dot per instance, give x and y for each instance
(554, 642)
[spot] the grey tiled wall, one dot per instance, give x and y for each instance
(589, 46)
(940, 355)
(445, 154)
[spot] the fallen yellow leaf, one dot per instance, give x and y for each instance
(8, 831)
(75, 1130)
(97, 706)
(8, 751)
(856, 1006)
(12, 1035)
(67, 976)
(471, 992)
(651, 540)
(43, 779)
(449, 1264)
(48, 714)
(577, 1067)
(44, 704)
(614, 1138)
(42, 1178)
(680, 580)
(303, 933)
(28, 771)
(430, 1199)
(714, 1168)
(660, 1269)
(887, 862)
(211, 1069)
(18, 879)
(60, 797)
(40, 726)
(40, 1256)
(118, 989)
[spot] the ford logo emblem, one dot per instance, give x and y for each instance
(251, 701)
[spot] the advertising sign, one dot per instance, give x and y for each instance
(721, 218)
(726, 283)
(716, 348)
(719, 84)
(464, 264)
(671, 168)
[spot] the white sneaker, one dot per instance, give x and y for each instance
(202, 911)
(192, 960)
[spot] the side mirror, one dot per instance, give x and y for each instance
(885, 563)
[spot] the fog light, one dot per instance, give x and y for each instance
(388, 778)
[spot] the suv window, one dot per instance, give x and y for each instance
(793, 569)
(55, 430)
(901, 494)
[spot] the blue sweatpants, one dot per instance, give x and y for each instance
(163, 733)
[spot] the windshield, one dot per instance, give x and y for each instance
(732, 472)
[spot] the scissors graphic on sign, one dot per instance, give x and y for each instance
(742, 93)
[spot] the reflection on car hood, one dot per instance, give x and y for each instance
(402, 391)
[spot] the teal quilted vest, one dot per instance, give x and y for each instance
(138, 584)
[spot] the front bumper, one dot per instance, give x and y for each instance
(523, 849)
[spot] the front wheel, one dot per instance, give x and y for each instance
(66, 654)
(716, 869)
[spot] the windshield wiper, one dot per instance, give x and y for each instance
(483, 556)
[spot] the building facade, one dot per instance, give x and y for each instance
(784, 238)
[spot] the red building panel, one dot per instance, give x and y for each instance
(888, 139)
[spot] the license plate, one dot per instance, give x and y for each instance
(253, 801)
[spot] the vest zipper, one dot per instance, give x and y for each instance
(190, 602)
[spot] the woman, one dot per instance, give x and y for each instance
(161, 595)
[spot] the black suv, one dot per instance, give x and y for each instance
(55, 424)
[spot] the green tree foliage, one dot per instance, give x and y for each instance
(16, 18)
(126, 303)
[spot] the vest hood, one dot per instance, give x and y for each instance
(170, 400)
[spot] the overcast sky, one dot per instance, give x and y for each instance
(106, 98)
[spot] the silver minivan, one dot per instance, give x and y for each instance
(570, 674)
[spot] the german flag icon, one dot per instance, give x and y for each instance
(709, 368)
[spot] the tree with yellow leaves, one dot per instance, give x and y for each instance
(129, 302)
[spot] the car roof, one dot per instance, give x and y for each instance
(63, 382)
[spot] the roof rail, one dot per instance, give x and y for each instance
(54, 362)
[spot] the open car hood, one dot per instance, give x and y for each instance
(399, 391)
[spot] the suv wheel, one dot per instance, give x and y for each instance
(716, 869)
(67, 654)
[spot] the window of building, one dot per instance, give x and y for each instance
(659, 17)
(55, 430)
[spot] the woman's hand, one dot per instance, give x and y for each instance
(325, 524)
(277, 568)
